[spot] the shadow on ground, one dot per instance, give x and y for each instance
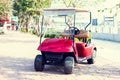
(23, 68)
(16, 68)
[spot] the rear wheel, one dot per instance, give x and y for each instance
(39, 63)
(92, 59)
(68, 65)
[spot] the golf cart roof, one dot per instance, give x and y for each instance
(67, 11)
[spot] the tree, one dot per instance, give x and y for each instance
(81, 3)
(5, 7)
(111, 9)
(118, 9)
(25, 9)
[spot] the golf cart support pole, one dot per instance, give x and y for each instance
(41, 29)
(89, 22)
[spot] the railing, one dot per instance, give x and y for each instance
(106, 33)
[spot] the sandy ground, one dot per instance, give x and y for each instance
(18, 51)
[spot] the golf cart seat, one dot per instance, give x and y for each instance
(83, 35)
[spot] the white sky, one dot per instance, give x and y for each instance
(111, 3)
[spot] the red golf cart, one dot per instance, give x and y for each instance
(61, 42)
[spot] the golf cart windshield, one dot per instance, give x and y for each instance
(57, 21)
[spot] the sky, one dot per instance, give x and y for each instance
(111, 3)
(107, 4)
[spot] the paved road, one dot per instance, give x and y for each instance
(18, 50)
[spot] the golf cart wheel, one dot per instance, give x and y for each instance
(92, 59)
(68, 65)
(39, 63)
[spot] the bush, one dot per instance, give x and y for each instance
(52, 35)
(23, 30)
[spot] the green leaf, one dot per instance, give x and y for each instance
(110, 10)
(99, 10)
(102, 10)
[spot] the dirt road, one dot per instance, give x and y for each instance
(18, 50)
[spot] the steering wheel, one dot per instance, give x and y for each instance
(75, 30)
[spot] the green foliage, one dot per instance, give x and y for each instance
(118, 5)
(52, 35)
(98, 10)
(30, 7)
(25, 9)
(23, 30)
(110, 10)
(102, 10)
(4, 8)
(81, 3)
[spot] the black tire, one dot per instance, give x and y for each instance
(39, 63)
(69, 65)
(92, 59)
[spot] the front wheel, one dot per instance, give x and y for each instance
(68, 65)
(92, 59)
(39, 63)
